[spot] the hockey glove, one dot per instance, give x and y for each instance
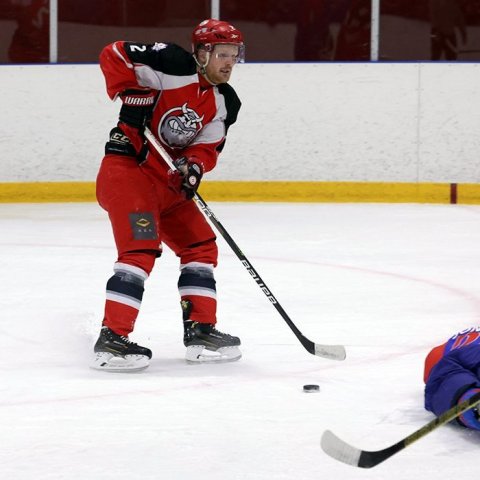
(119, 144)
(127, 138)
(186, 178)
(470, 418)
(137, 107)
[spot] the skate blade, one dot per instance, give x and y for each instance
(199, 354)
(110, 363)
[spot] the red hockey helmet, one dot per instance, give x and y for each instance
(212, 32)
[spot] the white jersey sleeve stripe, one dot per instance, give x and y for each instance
(148, 77)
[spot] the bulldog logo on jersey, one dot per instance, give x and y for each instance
(179, 126)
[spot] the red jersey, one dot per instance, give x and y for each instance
(191, 117)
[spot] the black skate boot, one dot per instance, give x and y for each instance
(118, 354)
(205, 343)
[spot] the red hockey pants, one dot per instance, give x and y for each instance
(144, 213)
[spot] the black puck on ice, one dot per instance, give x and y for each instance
(311, 388)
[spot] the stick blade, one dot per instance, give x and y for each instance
(346, 453)
(336, 448)
(332, 352)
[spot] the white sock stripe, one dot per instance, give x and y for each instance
(124, 267)
(208, 266)
(199, 291)
(124, 299)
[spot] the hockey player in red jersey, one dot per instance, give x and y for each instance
(185, 100)
(452, 375)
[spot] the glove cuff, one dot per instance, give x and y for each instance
(138, 98)
(119, 144)
(137, 106)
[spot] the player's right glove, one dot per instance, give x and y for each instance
(470, 418)
(128, 137)
(137, 107)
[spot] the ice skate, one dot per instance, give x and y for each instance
(116, 353)
(206, 344)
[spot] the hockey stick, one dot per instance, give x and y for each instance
(332, 352)
(342, 451)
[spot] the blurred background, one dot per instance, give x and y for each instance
(275, 30)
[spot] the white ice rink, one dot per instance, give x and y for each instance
(387, 281)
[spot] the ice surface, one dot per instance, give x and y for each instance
(387, 281)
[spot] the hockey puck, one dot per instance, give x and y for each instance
(311, 388)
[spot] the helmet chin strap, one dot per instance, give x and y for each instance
(203, 68)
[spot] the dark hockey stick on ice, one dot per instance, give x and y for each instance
(332, 352)
(342, 451)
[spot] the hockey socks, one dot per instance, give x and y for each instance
(124, 298)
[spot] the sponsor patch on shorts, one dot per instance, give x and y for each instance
(143, 226)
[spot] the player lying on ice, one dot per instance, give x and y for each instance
(452, 375)
(185, 100)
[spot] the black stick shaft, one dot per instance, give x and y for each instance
(308, 344)
(370, 459)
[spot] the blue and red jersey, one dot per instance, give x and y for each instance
(470, 336)
(451, 369)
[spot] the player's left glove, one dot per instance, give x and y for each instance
(187, 176)
(470, 418)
